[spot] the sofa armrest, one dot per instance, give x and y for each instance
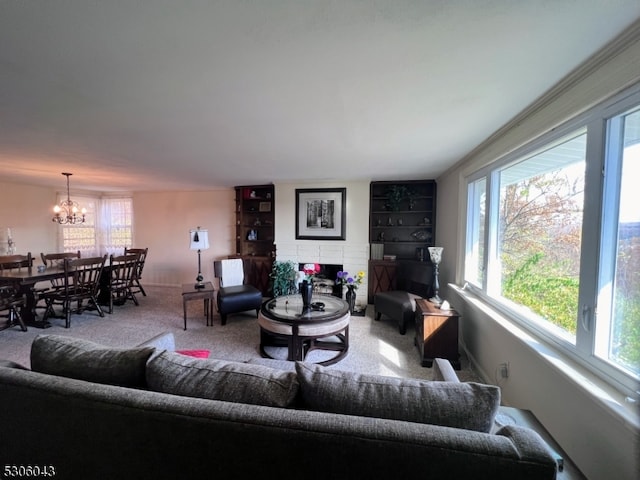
(443, 371)
(163, 341)
(12, 364)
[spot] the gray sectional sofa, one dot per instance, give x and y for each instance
(149, 412)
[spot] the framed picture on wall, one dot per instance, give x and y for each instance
(264, 207)
(321, 213)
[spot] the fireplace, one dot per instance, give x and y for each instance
(324, 282)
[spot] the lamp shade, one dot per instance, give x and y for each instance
(199, 239)
(436, 254)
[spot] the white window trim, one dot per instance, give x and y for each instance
(594, 121)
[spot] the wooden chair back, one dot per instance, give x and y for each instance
(142, 257)
(122, 275)
(10, 262)
(57, 260)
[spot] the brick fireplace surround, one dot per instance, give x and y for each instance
(351, 257)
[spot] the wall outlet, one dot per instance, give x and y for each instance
(504, 370)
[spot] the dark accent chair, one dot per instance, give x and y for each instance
(234, 295)
(414, 280)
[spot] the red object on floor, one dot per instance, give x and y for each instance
(195, 353)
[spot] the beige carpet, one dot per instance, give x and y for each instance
(375, 347)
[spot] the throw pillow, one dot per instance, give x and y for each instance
(194, 353)
(85, 360)
(224, 380)
(471, 406)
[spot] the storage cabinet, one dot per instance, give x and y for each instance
(402, 217)
(255, 233)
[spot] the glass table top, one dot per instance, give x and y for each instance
(289, 307)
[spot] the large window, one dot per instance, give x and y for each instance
(108, 227)
(553, 238)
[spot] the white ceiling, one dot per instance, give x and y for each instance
(193, 94)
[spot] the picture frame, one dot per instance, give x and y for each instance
(321, 213)
(264, 207)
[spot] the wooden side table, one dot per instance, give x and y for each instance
(436, 333)
(189, 292)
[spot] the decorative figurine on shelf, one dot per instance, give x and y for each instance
(257, 222)
(253, 235)
(390, 222)
(381, 237)
(252, 194)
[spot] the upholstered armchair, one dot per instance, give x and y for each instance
(234, 295)
(414, 280)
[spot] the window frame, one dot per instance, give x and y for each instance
(595, 122)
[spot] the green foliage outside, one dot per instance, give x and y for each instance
(548, 294)
(627, 333)
(554, 297)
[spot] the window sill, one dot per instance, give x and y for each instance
(607, 396)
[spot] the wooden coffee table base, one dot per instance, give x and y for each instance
(301, 339)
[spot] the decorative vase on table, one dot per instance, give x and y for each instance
(306, 290)
(350, 297)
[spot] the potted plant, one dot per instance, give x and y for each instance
(283, 278)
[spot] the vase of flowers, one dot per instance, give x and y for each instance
(306, 286)
(352, 283)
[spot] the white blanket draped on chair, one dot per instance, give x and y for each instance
(232, 272)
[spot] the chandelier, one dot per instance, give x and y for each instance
(68, 211)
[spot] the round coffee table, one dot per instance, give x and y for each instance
(284, 322)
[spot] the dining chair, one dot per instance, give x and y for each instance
(122, 274)
(51, 260)
(143, 257)
(10, 262)
(81, 285)
(11, 302)
(18, 262)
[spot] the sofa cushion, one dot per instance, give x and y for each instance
(85, 360)
(225, 380)
(471, 406)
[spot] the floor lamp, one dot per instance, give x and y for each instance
(199, 241)
(436, 257)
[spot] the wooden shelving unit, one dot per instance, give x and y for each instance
(402, 217)
(401, 224)
(255, 232)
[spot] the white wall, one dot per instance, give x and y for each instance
(162, 221)
(28, 211)
(352, 253)
(602, 444)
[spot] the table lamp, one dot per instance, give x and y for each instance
(436, 257)
(199, 241)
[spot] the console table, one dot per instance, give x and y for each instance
(436, 333)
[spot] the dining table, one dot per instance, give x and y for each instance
(25, 279)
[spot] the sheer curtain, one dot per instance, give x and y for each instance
(115, 225)
(108, 227)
